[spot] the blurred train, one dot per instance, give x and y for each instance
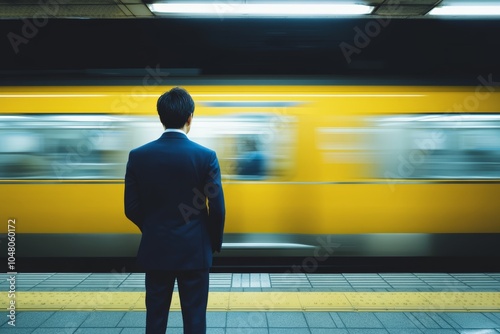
(308, 170)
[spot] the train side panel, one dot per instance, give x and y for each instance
(350, 161)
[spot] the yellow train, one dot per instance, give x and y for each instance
(308, 170)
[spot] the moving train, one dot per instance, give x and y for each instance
(311, 170)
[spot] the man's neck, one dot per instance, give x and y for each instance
(175, 130)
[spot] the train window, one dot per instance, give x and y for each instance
(249, 146)
(61, 147)
(437, 146)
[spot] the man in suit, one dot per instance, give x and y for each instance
(173, 193)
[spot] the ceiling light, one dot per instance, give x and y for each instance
(466, 11)
(259, 10)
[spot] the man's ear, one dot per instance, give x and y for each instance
(190, 118)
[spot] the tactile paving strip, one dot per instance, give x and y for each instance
(269, 301)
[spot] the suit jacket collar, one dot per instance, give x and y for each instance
(173, 135)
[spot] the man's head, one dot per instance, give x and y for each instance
(175, 108)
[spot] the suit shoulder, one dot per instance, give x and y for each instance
(201, 148)
(143, 148)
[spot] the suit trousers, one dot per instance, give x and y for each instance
(193, 295)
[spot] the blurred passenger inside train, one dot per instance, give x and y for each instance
(251, 162)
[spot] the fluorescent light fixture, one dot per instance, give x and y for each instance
(258, 10)
(470, 10)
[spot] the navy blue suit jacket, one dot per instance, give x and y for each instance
(173, 193)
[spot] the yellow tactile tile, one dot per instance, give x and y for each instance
(482, 301)
(477, 301)
(264, 301)
(268, 301)
(140, 304)
(314, 301)
(386, 301)
(218, 301)
(41, 300)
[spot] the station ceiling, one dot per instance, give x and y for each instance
(123, 9)
(118, 37)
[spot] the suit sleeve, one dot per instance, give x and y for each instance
(132, 200)
(216, 205)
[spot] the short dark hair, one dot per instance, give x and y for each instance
(174, 108)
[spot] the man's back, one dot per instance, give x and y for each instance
(171, 176)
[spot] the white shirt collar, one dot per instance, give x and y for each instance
(175, 130)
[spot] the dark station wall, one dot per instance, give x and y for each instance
(428, 48)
